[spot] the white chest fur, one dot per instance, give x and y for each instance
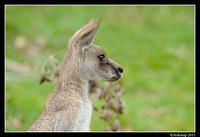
(84, 116)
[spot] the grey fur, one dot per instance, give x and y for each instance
(68, 107)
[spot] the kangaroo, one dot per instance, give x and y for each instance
(68, 107)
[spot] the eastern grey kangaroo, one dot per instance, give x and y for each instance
(68, 107)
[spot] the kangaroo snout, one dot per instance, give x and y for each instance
(117, 70)
(119, 73)
(120, 69)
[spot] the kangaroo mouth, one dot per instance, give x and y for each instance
(116, 77)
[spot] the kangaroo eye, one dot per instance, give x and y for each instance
(101, 57)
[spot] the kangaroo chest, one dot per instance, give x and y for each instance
(84, 116)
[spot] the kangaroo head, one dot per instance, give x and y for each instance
(95, 64)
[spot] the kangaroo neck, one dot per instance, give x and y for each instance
(71, 79)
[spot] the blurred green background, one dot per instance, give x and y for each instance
(154, 44)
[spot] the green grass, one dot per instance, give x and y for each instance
(154, 44)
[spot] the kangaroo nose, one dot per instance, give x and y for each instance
(120, 70)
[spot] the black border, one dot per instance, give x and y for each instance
(103, 2)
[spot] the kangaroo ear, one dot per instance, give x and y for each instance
(85, 35)
(84, 27)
